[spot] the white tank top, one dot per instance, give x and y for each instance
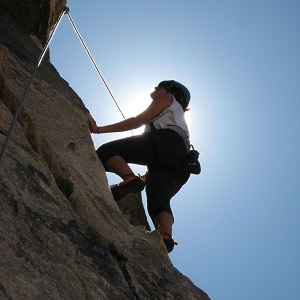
(172, 118)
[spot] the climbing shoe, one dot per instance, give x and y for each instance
(169, 241)
(131, 185)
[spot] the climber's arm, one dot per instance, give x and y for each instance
(154, 109)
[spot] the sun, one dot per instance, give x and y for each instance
(135, 106)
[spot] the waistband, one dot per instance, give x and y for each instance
(181, 132)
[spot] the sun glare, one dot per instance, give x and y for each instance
(188, 116)
(135, 106)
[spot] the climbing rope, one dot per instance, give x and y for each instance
(94, 63)
(13, 124)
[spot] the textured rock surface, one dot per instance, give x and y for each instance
(39, 16)
(132, 208)
(53, 246)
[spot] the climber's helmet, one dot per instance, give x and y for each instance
(178, 90)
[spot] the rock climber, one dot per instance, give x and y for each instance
(162, 148)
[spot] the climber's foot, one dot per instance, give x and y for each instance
(169, 241)
(131, 185)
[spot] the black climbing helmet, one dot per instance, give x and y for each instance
(178, 90)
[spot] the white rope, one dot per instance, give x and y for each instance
(13, 123)
(94, 63)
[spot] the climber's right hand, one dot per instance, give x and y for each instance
(92, 123)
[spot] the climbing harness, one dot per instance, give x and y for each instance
(13, 123)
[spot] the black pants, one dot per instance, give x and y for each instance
(163, 152)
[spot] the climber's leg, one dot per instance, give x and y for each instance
(119, 166)
(164, 222)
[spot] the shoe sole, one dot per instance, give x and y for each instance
(134, 186)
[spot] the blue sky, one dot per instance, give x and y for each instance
(237, 223)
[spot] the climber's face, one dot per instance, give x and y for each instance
(157, 91)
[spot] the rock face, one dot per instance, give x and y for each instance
(39, 16)
(62, 235)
